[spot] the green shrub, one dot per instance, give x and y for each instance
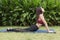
(22, 12)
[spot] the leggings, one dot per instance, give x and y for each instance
(30, 29)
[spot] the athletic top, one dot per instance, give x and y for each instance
(40, 21)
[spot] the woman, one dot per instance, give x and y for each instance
(40, 18)
(40, 21)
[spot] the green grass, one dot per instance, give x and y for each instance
(30, 36)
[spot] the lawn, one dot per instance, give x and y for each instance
(30, 36)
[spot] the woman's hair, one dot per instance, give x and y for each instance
(39, 10)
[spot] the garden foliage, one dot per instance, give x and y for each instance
(23, 12)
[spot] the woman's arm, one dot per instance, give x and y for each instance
(44, 21)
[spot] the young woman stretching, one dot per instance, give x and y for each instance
(40, 21)
(40, 18)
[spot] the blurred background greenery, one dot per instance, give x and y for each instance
(22, 12)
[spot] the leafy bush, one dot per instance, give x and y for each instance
(22, 12)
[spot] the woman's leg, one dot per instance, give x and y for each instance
(30, 29)
(16, 30)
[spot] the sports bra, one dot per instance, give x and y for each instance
(40, 21)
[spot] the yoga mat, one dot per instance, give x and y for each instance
(38, 31)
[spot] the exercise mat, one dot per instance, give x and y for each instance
(38, 31)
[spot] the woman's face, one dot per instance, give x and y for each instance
(42, 10)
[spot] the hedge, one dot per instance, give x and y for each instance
(22, 12)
